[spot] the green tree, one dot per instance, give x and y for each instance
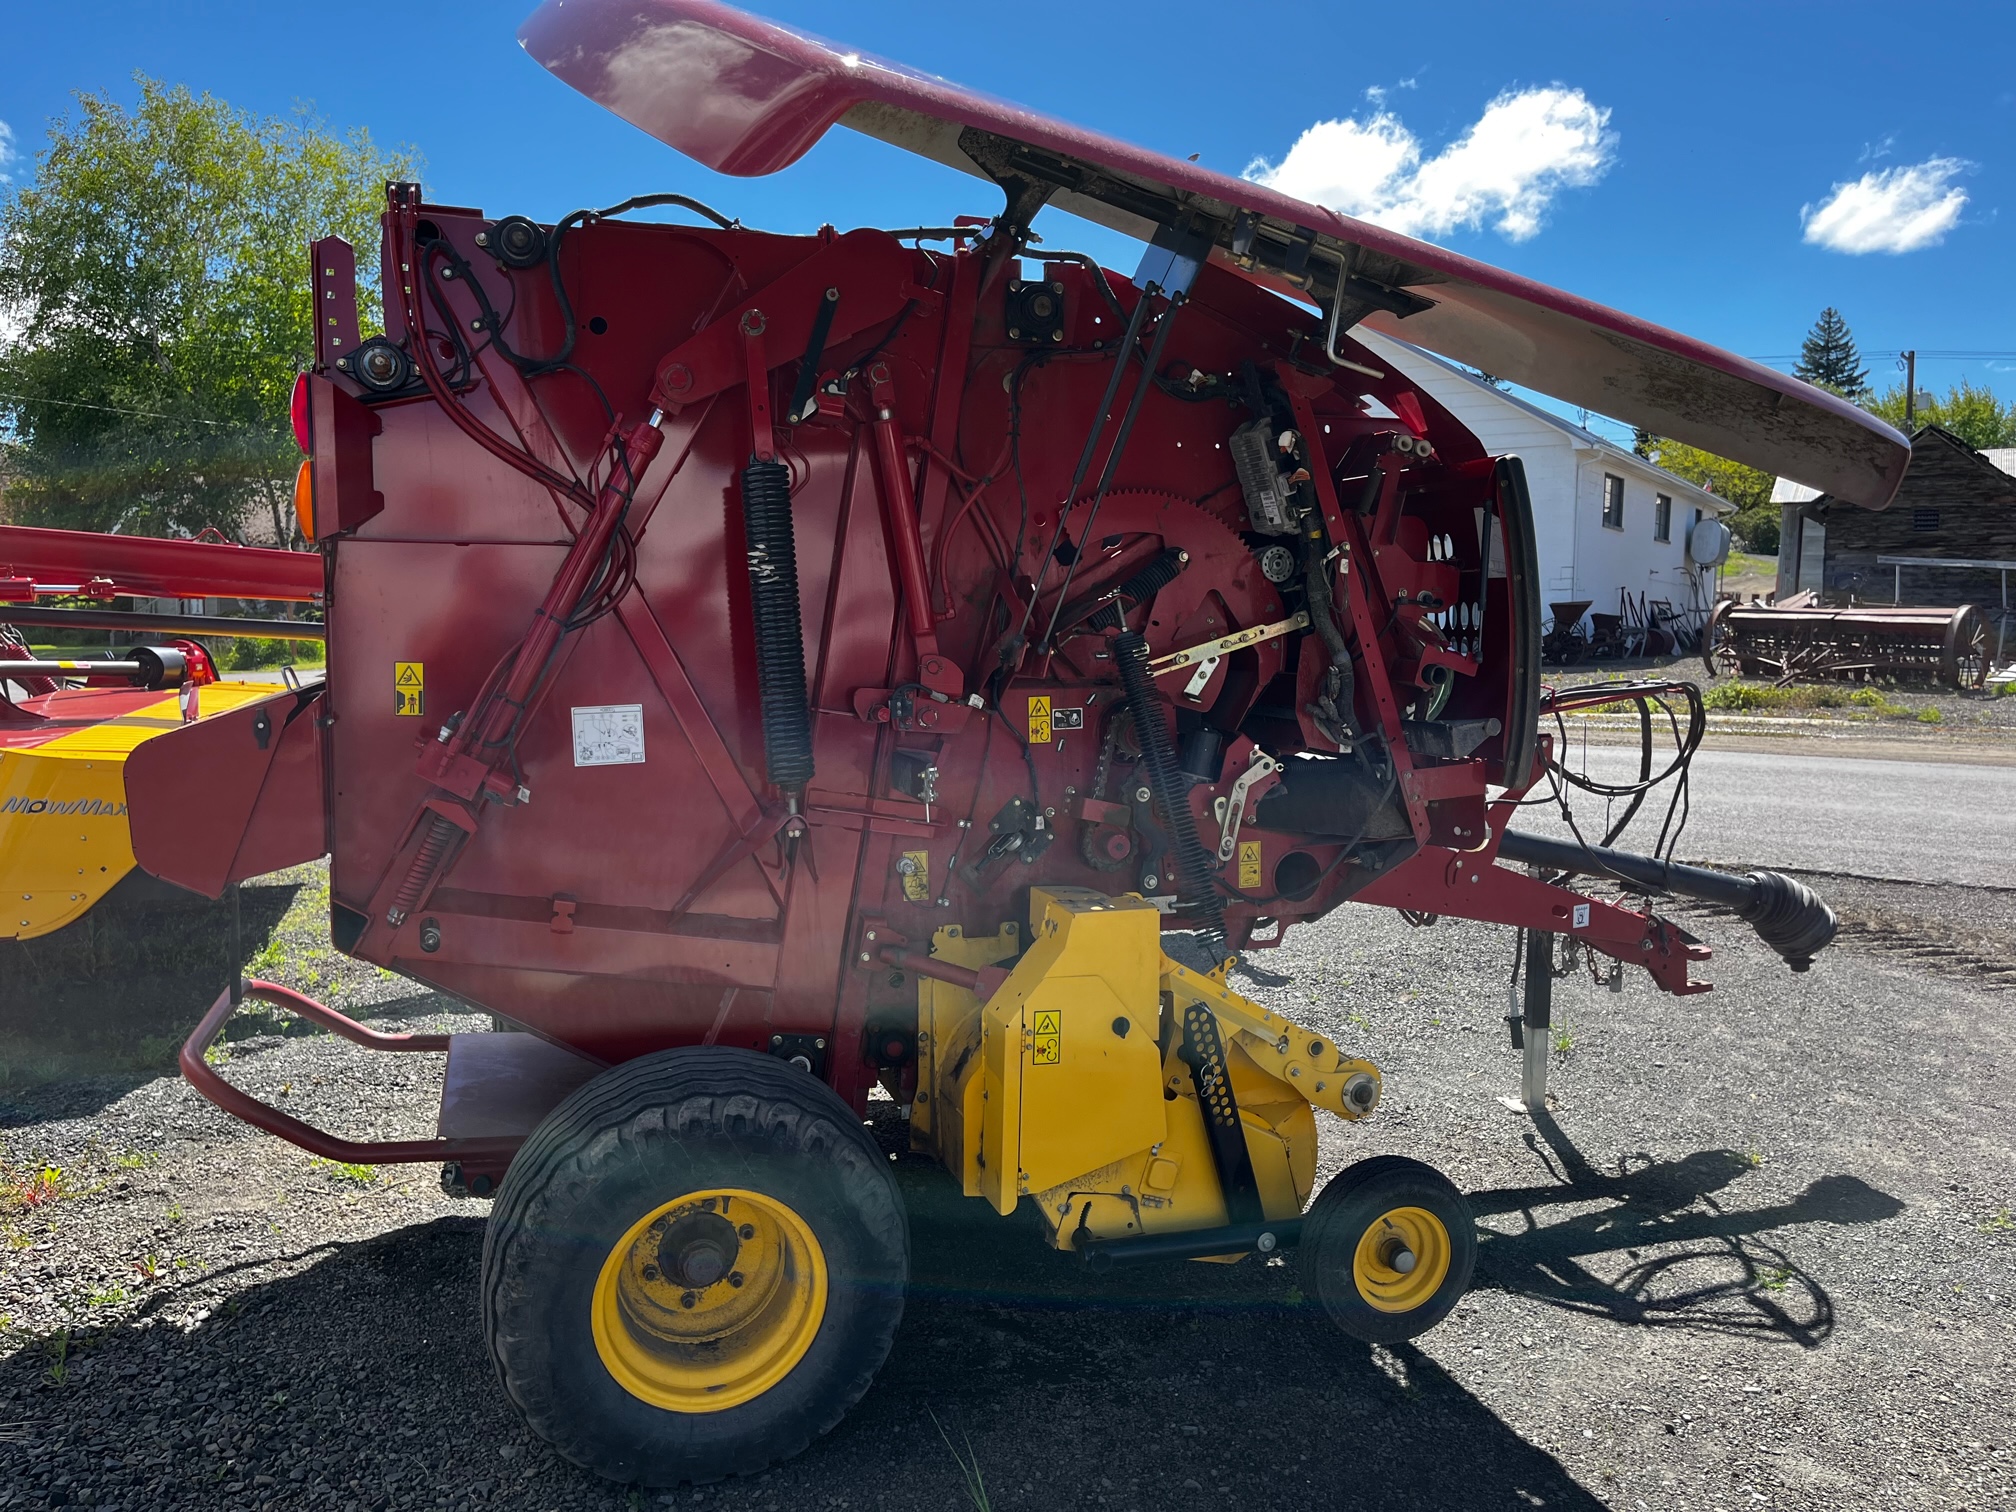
(155, 275)
(1973, 414)
(1827, 357)
(1755, 523)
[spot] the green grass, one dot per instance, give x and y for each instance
(969, 1467)
(1752, 698)
(2002, 1223)
(22, 1190)
(57, 1348)
(341, 1170)
(1744, 564)
(249, 654)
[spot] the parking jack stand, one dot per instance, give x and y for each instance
(1538, 1020)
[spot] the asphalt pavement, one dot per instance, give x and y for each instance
(1905, 821)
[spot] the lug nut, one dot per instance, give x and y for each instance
(734, 1278)
(747, 1231)
(688, 1299)
(650, 1273)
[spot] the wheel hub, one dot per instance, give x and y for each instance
(1401, 1259)
(698, 1249)
(710, 1300)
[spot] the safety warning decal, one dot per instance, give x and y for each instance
(914, 867)
(608, 734)
(1581, 916)
(1046, 1047)
(1039, 719)
(409, 688)
(1249, 864)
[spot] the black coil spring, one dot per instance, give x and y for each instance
(1150, 580)
(1200, 888)
(780, 630)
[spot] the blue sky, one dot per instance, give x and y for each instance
(1682, 162)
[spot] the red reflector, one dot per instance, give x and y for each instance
(297, 408)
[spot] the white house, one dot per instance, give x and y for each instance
(1607, 521)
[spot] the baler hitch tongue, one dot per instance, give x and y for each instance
(1788, 915)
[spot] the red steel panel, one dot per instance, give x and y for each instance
(747, 96)
(153, 568)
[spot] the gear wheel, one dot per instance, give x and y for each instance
(1220, 562)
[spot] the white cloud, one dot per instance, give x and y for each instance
(7, 153)
(1506, 169)
(1893, 210)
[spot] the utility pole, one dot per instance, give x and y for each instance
(1910, 389)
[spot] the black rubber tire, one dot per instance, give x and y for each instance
(641, 1135)
(1338, 1219)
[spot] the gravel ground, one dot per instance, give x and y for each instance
(1760, 1254)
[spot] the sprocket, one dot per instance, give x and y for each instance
(1220, 589)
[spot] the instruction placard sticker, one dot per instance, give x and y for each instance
(1046, 1045)
(1249, 864)
(1581, 916)
(608, 735)
(409, 688)
(1039, 719)
(1068, 719)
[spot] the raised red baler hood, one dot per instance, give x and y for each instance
(747, 96)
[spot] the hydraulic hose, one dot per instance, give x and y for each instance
(1788, 915)
(780, 632)
(1199, 889)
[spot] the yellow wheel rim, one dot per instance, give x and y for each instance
(1402, 1260)
(709, 1301)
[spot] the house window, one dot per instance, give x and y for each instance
(1662, 518)
(1924, 519)
(1613, 502)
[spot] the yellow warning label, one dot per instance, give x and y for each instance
(1039, 719)
(914, 867)
(1046, 1046)
(1249, 864)
(409, 687)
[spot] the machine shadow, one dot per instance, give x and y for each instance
(1693, 1262)
(96, 1009)
(1173, 1386)
(1165, 1388)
